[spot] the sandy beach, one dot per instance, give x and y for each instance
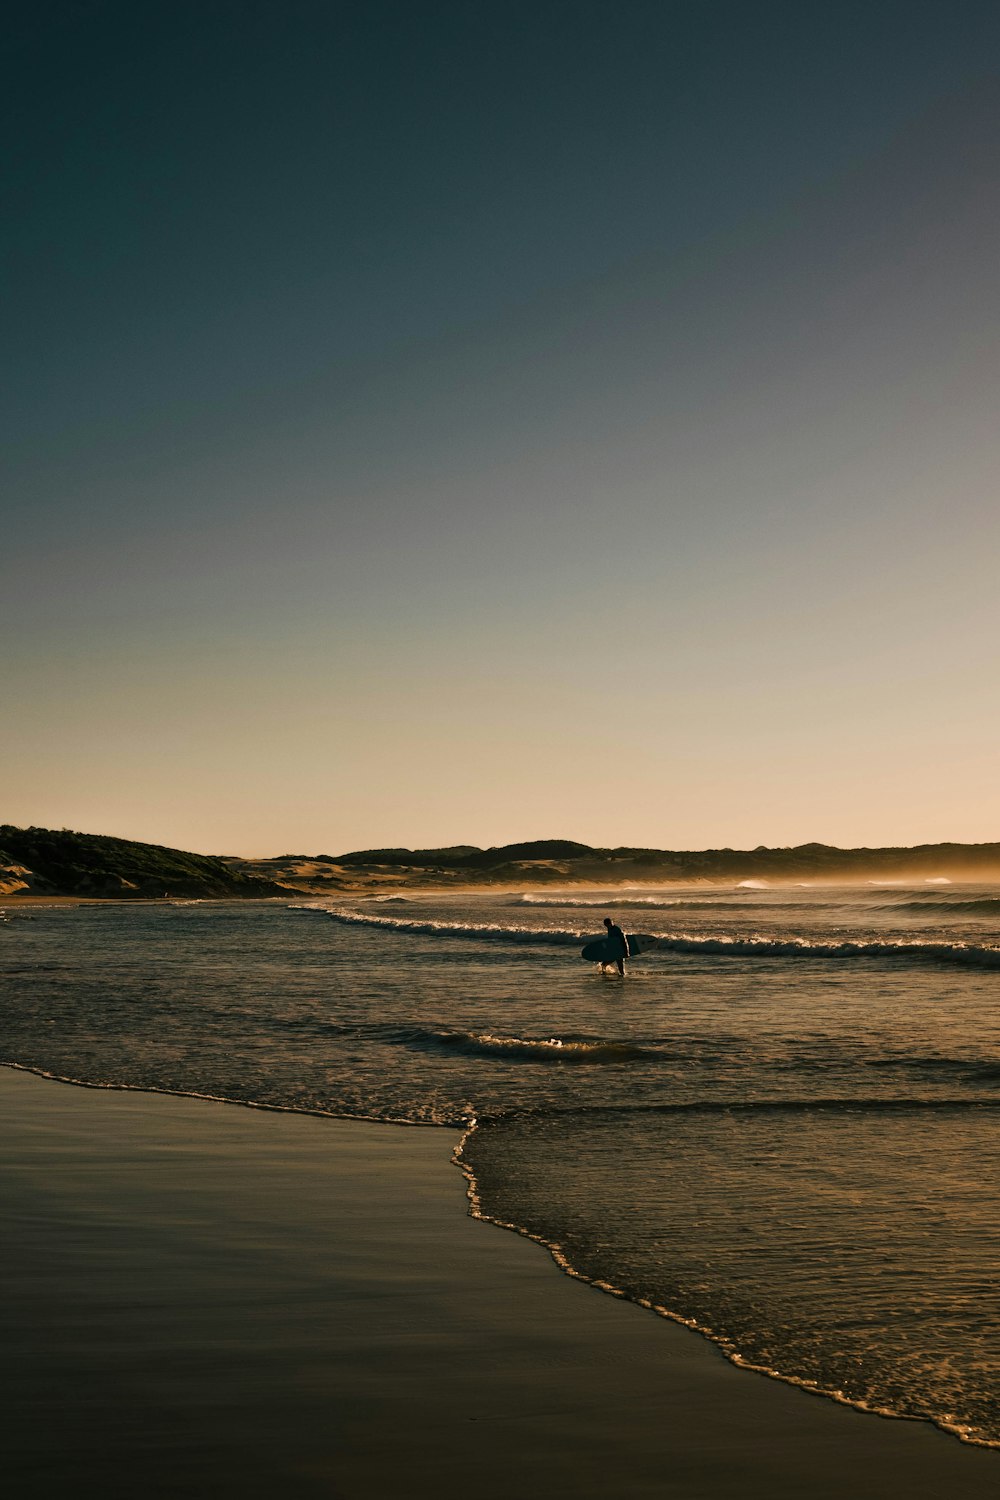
(206, 1300)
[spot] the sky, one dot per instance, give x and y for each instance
(439, 423)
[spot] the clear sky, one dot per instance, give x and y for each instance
(457, 422)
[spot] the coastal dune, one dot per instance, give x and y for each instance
(205, 1300)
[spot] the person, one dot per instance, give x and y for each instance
(618, 949)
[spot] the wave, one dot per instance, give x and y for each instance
(733, 903)
(982, 906)
(575, 1049)
(835, 1104)
(970, 955)
(908, 950)
(607, 903)
(486, 931)
(553, 1050)
(977, 1069)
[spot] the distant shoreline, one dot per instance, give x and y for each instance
(373, 888)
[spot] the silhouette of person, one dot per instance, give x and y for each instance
(618, 949)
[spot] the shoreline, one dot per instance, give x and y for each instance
(272, 1302)
(720, 1345)
(374, 887)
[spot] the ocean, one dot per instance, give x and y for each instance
(781, 1128)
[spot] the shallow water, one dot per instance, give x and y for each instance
(782, 1127)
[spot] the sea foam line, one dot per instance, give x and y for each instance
(116, 1087)
(487, 931)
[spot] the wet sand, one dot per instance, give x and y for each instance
(203, 1300)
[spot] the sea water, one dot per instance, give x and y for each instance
(782, 1128)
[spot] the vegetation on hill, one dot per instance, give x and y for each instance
(60, 862)
(469, 857)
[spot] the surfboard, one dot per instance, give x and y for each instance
(601, 951)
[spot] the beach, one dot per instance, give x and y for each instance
(500, 846)
(210, 1300)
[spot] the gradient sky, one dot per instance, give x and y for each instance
(455, 422)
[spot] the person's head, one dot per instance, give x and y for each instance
(608, 922)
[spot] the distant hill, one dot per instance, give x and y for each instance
(581, 861)
(44, 861)
(563, 861)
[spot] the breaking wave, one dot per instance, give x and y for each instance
(552, 1050)
(969, 955)
(490, 932)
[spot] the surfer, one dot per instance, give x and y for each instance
(618, 949)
